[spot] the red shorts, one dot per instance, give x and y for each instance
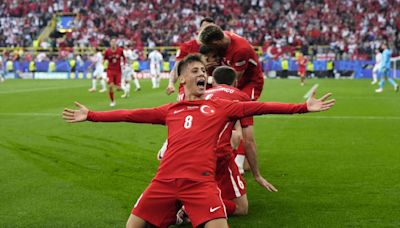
(158, 203)
(114, 77)
(302, 72)
(229, 180)
(253, 90)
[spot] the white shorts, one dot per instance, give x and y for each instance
(375, 69)
(99, 73)
(127, 73)
(155, 70)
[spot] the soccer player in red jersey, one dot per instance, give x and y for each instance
(231, 183)
(114, 55)
(302, 63)
(187, 172)
(189, 47)
(236, 52)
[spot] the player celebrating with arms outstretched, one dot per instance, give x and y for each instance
(187, 172)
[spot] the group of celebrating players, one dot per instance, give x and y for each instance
(198, 176)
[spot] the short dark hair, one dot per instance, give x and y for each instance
(205, 50)
(206, 19)
(224, 75)
(211, 33)
(189, 59)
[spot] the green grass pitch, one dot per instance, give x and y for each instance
(335, 169)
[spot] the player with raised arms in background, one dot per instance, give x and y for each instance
(187, 172)
(115, 58)
(98, 73)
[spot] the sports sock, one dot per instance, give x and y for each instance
(136, 81)
(392, 82)
(382, 83)
(94, 83)
(103, 84)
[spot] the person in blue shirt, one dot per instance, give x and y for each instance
(385, 69)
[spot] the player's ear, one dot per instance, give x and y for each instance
(182, 80)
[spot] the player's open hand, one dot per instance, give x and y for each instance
(321, 104)
(73, 116)
(264, 183)
(170, 89)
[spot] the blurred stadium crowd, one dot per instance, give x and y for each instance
(350, 28)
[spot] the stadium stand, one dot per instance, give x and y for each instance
(346, 26)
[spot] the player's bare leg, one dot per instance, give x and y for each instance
(111, 94)
(136, 222)
(216, 223)
(242, 205)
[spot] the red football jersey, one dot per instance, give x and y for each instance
(233, 94)
(186, 48)
(194, 128)
(242, 57)
(114, 59)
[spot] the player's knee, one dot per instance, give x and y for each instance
(135, 222)
(242, 208)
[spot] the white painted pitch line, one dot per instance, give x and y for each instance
(40, 89)
(43, 114)
(311, 91)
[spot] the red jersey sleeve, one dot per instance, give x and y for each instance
(240, 59)
(145, 115)
(182, 52)
(237, 110)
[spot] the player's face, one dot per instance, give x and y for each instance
(113, 43)
(194, 79)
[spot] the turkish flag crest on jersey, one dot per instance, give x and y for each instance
(207, 110)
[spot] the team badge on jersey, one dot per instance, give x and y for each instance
(207, 110)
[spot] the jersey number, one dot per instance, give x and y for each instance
(188, 122)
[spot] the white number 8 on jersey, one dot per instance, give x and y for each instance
(188, 122)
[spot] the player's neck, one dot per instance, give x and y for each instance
(193, 97)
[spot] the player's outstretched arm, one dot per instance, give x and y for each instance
(74, 116)
(155, 115)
